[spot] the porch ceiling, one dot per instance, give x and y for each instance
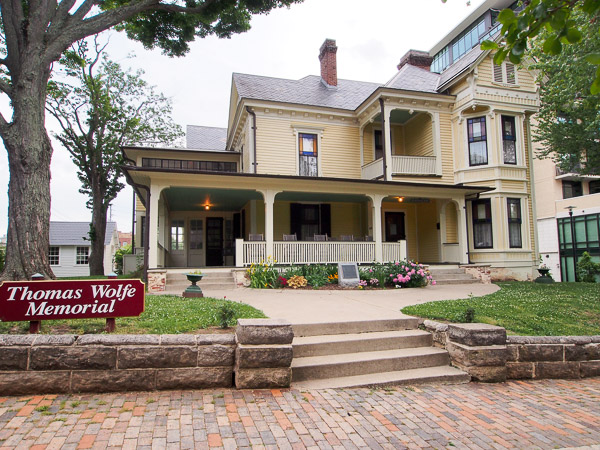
(195, 199)
(319, 197)
(397, 116)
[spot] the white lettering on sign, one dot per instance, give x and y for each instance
(44, 309)
(50, 294)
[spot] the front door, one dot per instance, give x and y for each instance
(394, 227)
(214, 241)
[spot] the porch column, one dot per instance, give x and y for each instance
(269, 199)
(387, 141)
(463, 241)
(437, 150)
(153, 226)
(377, 234)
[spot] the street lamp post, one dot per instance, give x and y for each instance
(573, 248)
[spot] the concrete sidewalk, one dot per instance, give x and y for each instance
(312, 306)
(544, 414)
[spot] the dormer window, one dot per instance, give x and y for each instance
(505, 73)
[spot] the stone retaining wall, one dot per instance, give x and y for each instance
(36, 364)
(487, 354)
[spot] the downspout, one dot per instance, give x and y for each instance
(133, 223)
(137, 188)
(253, 114)
(383, 139)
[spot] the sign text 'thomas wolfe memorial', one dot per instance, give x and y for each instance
(48, 300)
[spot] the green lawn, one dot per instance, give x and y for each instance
(527, 309)
(164, 314)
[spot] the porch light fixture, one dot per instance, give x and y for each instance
(400, 199)
(207, 207)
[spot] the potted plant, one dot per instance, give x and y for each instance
(193, 290)
(544, 271)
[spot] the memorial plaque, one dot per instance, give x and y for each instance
(348, 274)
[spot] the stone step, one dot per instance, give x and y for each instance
(359, 342)
(437, 374)
(447, 271)
(173, 277)
(472, 281)
(453, 276)
(344, 365)
(359, 326)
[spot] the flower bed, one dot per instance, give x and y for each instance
(400, 274)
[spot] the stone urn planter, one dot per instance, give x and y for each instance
(193, 290)
(544, 276)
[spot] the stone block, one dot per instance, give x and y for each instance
(540, 352)
(263, 378)
(593, 351)
(491, 355)
(561, 369)
(589, 369)
(48, 340)
(520, 371)
(487, 374)
(26, 340)
(27, 383)
(264, 331)
(216, 355)
(178, 339)
(210, 339)
(257, 356)
(476, 334)
(72, 358)
(14, 358)
(512, 353)
(118, 339)
(194, 378)
(576, 353)
(113, 380)
(147, 357)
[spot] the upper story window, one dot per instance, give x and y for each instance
(378, 143)
(595, 187)
(83, 256)
(509, 140)
(307, 146)
(54, 256)
(482, 224)
(467, 41)
(572, 189)
(177, 235)
(505, 73)
(514, 222)
(477, 141)
(183, 164)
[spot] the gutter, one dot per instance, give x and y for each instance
(253, 114)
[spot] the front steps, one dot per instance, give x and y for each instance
(368, 353)
(452, 275)
(211, 280)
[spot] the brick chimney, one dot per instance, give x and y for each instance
(416, 58)
(328, 62)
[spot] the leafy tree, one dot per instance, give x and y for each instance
(569, 119)
(33, 35)
(100, 108)
(556, 18)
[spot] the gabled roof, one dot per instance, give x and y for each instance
(206, 138)
(76, 233)
(309, 90)
(412, 78)
(461, 65)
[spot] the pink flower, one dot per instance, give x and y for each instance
(397, 263)
(433, 283)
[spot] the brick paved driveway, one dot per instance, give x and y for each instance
(539, 414)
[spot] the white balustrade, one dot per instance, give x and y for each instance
(413, 165)
(372, 170)
(394, 251)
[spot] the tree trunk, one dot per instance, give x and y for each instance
(29, 154)
(99, 233)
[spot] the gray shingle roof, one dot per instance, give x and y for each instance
(461, 65)
(73, 233)
(414, 78)
(205, 138)
(309, 90)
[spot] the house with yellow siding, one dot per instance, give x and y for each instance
(433, 166)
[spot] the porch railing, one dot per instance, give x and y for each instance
(309, 252)
(413, 165)
(372, 170)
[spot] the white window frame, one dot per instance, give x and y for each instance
(50, 255)
(504, 82)
(519, 148)
(82, 259)
(297, 130)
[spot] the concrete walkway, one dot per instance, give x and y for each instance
(308, 306)
(543, 414)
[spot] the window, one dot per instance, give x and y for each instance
(378, 144)
(482, 224)
(207, 166)
(177, 234)
(477, 141)
(306, 220)
(595, 187)
(307, 145)
(54, 256)
(514, 222)
(509, 140)
(572, 189)
(83, 256)
(505, 73)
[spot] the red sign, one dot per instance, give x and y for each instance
(81, 299)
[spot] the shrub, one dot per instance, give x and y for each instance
(263, 275)
(587, 269)
(397, 274)
(226, 315)
(297, 281)
(125, 250)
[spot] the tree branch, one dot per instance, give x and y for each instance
(6, 88)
